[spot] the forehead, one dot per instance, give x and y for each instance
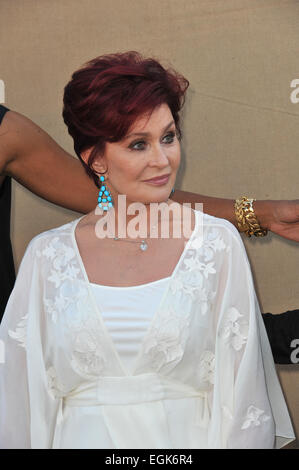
(156, 119)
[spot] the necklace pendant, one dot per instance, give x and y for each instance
(143, 245)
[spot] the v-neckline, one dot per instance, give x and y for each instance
(99, 312)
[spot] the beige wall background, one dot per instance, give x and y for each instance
(240, 126)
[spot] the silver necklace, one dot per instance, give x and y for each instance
(142, 245)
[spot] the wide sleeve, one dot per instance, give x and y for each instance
(27, 410)
(249, 410)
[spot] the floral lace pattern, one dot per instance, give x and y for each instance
(234, 331)
(20, 334)
(207, 367)
(88, 353)
(69, 296)
(164, 341)
(67, 301)
(63, 261)
(55, 387)
(198, 266)
(254, 417)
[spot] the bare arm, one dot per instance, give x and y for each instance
(223, 208)
(281, 217)
(35, 160)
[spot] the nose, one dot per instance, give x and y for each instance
(158, 157)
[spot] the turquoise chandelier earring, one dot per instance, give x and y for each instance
(105, 201)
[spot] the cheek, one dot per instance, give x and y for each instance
(126, 171)
(176, 158)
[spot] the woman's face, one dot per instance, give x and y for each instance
(150, 150)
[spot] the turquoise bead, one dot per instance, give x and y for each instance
(107, 199)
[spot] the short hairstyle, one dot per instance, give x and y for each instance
(106, 95)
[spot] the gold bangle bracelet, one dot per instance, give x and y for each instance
(246, 218)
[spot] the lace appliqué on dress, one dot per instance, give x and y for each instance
(20, 334)
(67, 303)
(207, 367)
(88, 354)
(166, 339)
(234, 331)
(63, 261)
(254, 417)
(55, 387)
(193, 277)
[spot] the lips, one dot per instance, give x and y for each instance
(158, 179)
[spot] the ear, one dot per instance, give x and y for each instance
(99, 164)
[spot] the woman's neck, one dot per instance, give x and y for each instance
(142, 220)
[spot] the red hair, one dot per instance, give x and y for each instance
(104, 98)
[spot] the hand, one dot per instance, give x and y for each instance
(281, 217)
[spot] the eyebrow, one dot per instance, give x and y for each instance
(147, 133)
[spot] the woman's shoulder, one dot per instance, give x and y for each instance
(56, 233)
(211, 224)
(212, 221)
(207, 226)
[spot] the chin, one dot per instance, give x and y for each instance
(154, 194)
(162, 197)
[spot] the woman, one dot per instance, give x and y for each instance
(135, 343)
(21, 145)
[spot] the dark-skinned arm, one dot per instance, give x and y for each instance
(30, 156)
(280, 217)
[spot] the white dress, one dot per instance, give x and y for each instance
(127, 313)
(204, 375)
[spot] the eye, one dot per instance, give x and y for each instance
(139, 142)
(136, 145)
(170, 136)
